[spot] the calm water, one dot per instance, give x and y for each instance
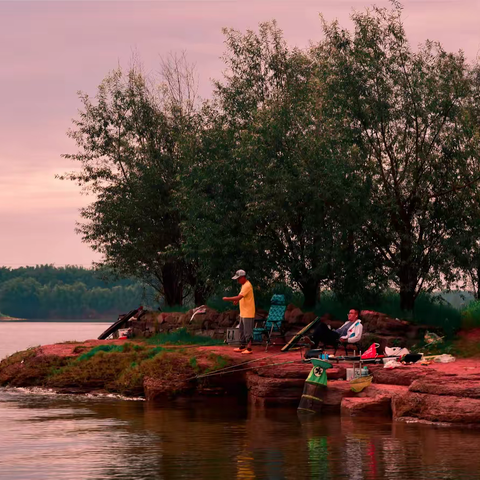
(16, 336)
(66, 437)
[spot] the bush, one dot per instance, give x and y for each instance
(429, 310)
(471, 315)
(182, 337)
(100, 348)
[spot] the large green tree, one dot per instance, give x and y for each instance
(411, 110)
(274, 179)
(128, 140)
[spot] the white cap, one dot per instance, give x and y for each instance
(238, 274)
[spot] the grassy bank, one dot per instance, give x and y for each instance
(120, 369)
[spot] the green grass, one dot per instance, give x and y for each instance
(127, 347)
(182, 337)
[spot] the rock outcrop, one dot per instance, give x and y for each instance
(436, 408)
(378, 327)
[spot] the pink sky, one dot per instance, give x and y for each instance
(50, 50)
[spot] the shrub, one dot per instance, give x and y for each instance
(429, 310)
(100, 348)
(471, 315)
(182, 337)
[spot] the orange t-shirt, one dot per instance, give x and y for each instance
(247, 303)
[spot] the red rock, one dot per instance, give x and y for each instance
(295, 370)
(458, 387)
(270, 387)
(337, 373)
(277, 401)
(436, 408)
(367, 406)
(336, 391)
(298, 370)
(309, 317)
(390, 390)
(404, 375)
(381, 324)
(294, 316)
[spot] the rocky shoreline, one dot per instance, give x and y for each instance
(438, 393)
(411, 393)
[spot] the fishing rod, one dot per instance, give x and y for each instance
(217, 372)
(231, 367)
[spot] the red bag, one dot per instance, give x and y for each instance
(371, 352)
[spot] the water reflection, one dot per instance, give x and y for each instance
(45, 437)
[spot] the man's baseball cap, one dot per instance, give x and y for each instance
(238, 274)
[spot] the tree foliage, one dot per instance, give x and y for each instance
(412, 110)
(128, 149)
(69, 292)
(351, 165)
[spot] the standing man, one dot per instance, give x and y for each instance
(247, 311)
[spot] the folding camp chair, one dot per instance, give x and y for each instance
(273, 323)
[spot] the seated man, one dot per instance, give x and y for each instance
(350, 332)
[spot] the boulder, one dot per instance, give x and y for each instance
(436, 408)
(259, 386)
(459, 387)
(337, 373)
(336, 391)
(270, 392)
(294, 316)
(404, 375)
(226, 320)
(294, 370)
(331, 320)
(382, 324)
(309, 317)
(378, 405)
(299, 371)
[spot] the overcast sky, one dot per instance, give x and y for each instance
(50, 50)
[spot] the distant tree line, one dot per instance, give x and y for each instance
(69, 292)
(351, 165)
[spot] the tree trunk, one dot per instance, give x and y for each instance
(408, 277)
(407, 299)
(476, 282)
(200, 293)
(172, 284)
(310, 289)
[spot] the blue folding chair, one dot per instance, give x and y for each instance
(273, 323)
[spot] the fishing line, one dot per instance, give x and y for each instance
(241, 370)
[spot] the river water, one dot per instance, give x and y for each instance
(44, 436)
